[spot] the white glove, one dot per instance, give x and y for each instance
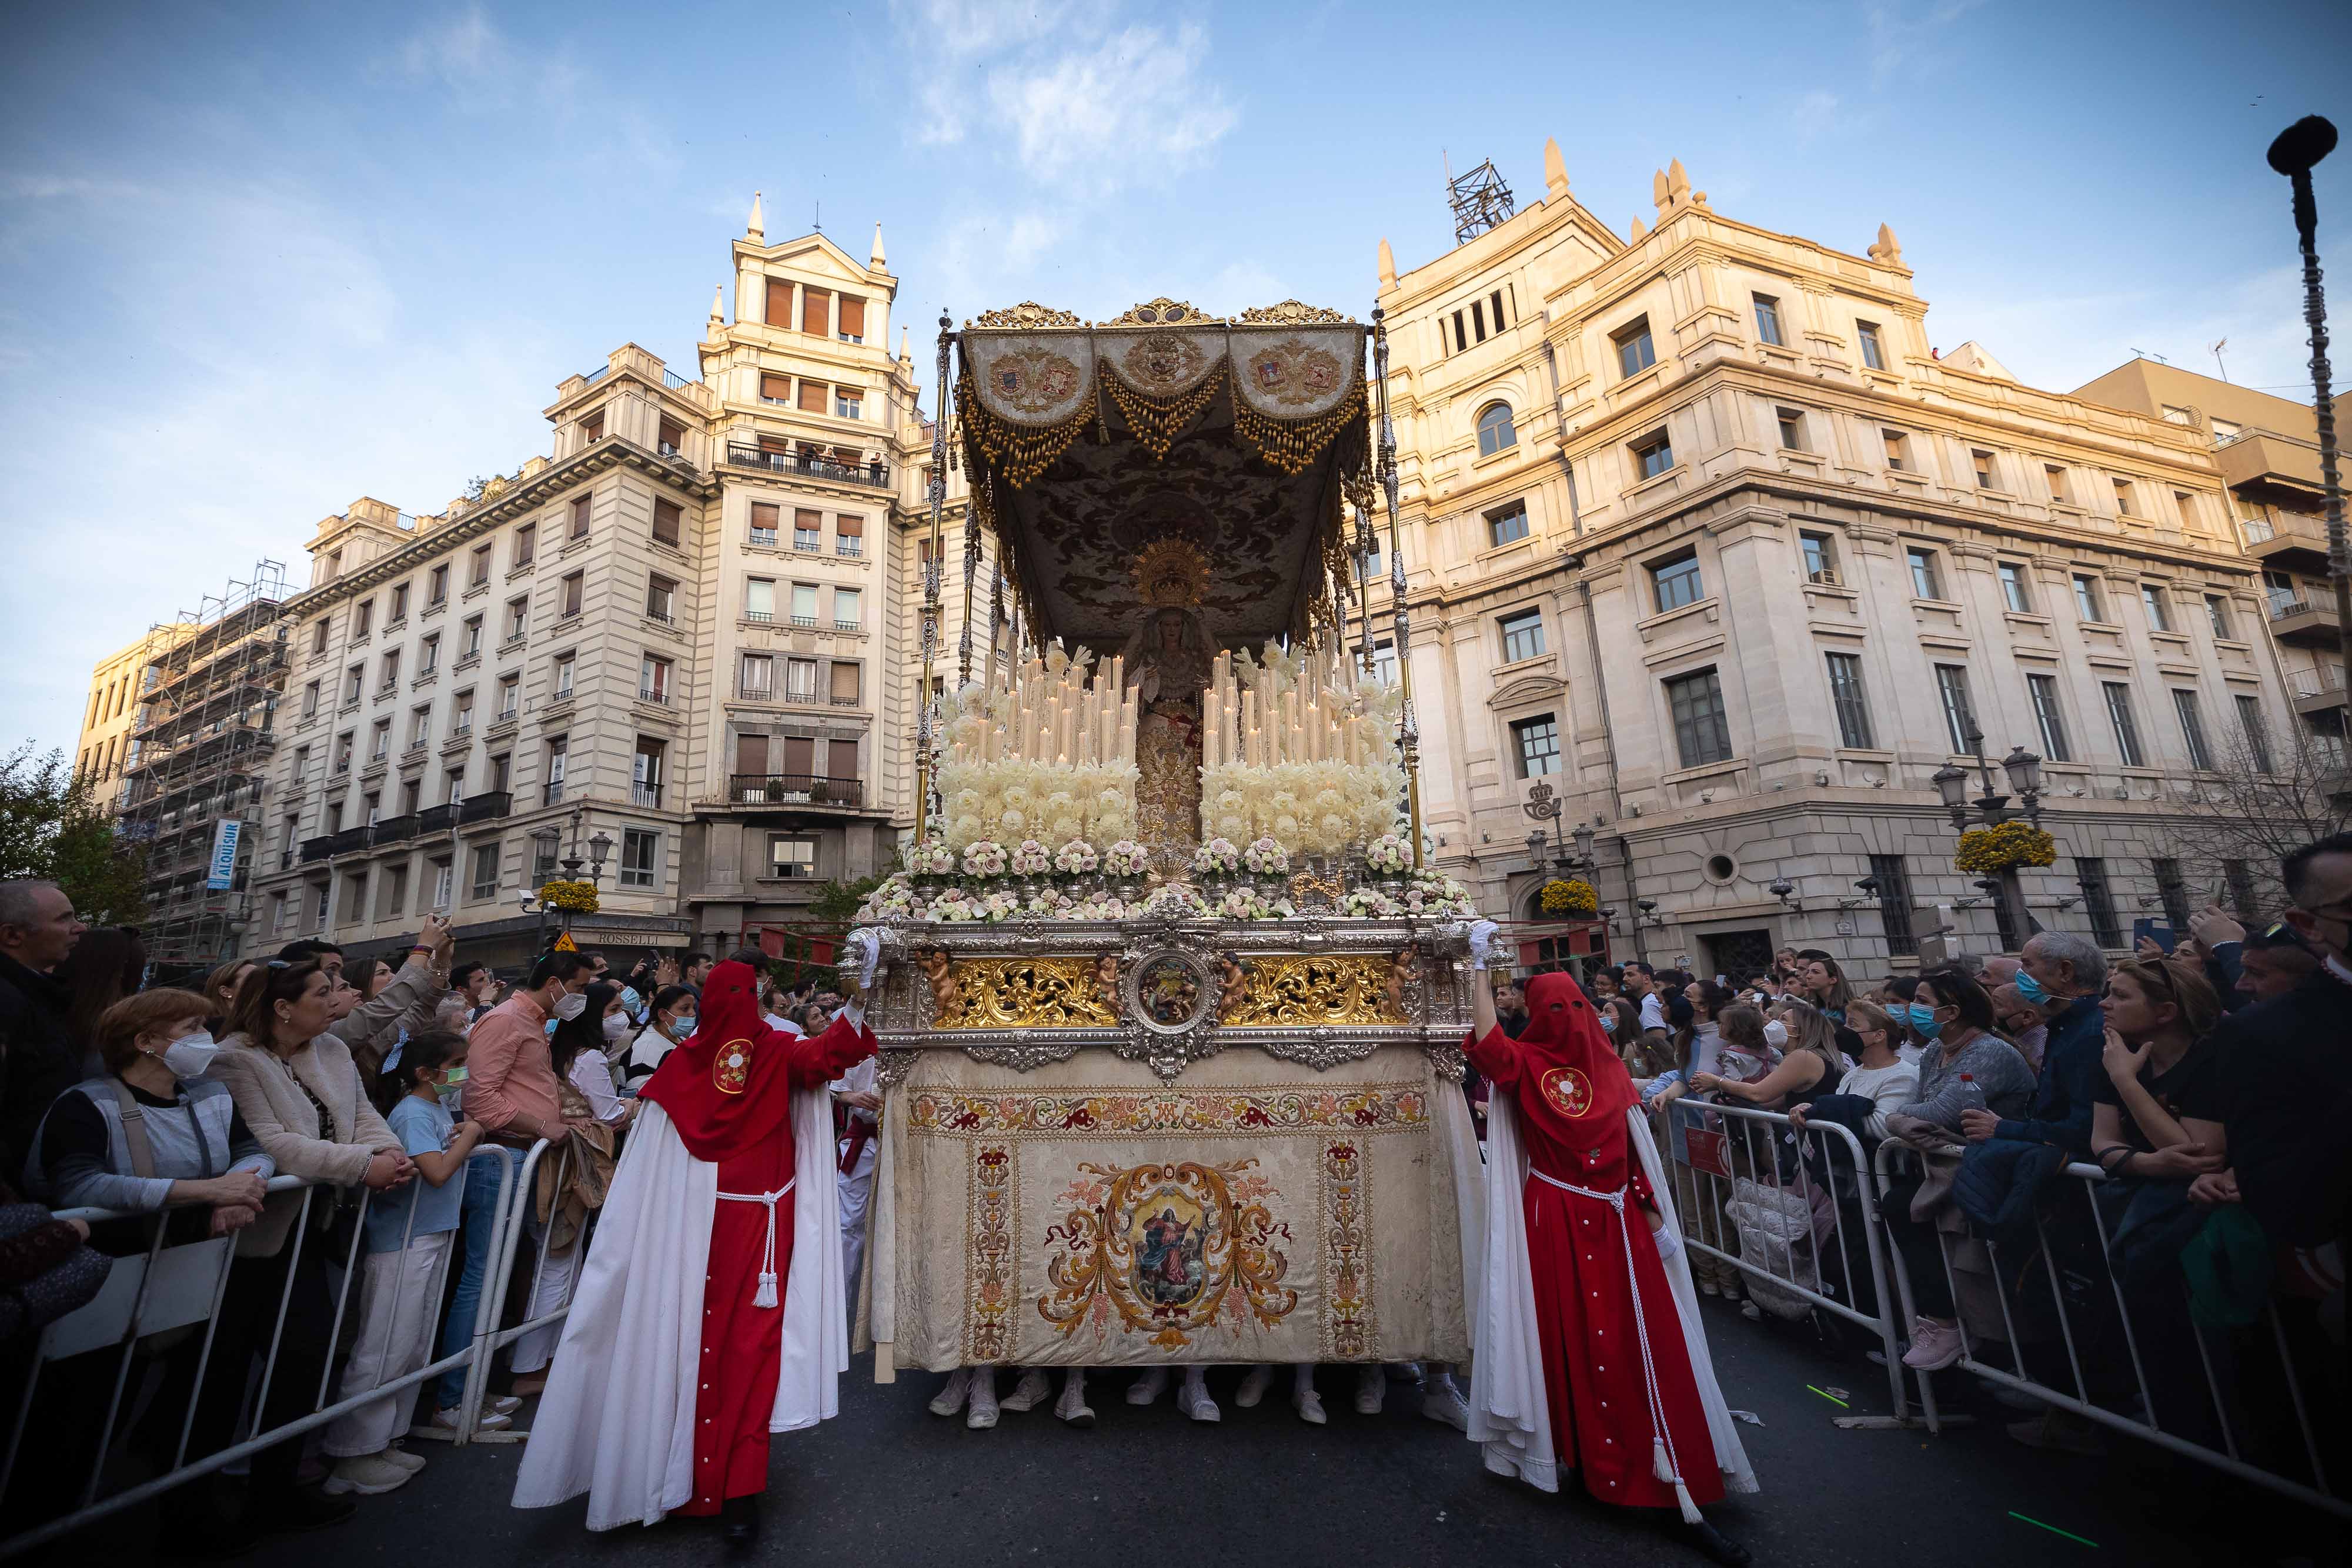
(865, 949)
(1668, 1242)
(1482, 942)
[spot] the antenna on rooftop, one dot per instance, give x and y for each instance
(2215, 348)
(1479, 199)
(819, 217)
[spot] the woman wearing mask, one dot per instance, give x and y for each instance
(573, 1176)
(197, 1157)
(1895, 996)
(1964, 1062)
(1881, 1073)
(672, 1021)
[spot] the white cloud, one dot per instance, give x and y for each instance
(1070, 98)
(1898, 32)
(1814, 114)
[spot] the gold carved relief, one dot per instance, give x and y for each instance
(1300, 993)
(1025, 993)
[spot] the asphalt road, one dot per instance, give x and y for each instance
(890, 1484)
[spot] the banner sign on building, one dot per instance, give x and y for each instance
(223, 866)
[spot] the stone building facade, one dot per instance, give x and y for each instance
(674, 638)
(1704, 534)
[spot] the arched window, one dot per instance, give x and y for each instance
(1495, 429)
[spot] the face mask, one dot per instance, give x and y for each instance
(188, 1056)
(2031, 990)
(616, 1027)
(631, 1001)
(571, 1006)
(1776, 1034)
(680, 1026)
(451, 1083)
(1608, 1025)
(1924, 1021)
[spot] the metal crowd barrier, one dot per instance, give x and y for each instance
(2186, 1426)
(516, 1208)
(1783, 1166)
(180, 1286)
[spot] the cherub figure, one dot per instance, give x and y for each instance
(1106, 980)
(945, 992)
(1232, 987)
(1404, 971)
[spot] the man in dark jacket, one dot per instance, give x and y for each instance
(38, 929)
(2060, 973)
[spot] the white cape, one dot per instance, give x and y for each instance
(1508, 1416)
(617, 1419)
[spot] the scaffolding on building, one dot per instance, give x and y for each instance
(1480, 201)
(199, 757)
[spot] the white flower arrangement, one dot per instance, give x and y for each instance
(984, 858)
(1388, 855)
(1076, 857)
(932, 859)
(1031, 858)
(1012, 798)
(1369, 903)
(1127, 858)
(1247, 903)
(1215, 857)
(1266, 858)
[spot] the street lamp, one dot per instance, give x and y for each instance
(1991, 807)
(1544, 807)
(2298, 147)
(546, 838)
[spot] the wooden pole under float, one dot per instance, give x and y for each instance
(1408, 724)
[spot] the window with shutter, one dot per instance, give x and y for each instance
(800, 757)
(673, 437)
(667, 521)
(816, 312)
(764, 514)
(844, 684)
(853, 319)
(849, 535)
(752, 753)
(579, 517)
(808, 528)
(779, 310)
(813, 397)
(841, 759)
(774, 388)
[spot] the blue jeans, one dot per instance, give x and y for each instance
(485, 1170)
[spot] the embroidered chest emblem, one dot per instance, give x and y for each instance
(1568, 1091)
(730, 1070)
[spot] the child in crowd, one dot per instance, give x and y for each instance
(408, 1238)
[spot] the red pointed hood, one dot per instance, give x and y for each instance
(717, 1101)
(1563, 1030)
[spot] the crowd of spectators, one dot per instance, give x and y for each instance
(417, 1085)
(2205, 1082)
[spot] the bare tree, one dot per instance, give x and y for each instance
(2266, 796)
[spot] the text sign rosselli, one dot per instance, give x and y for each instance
(225, 833)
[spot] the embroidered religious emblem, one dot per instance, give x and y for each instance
(1036, 382)
(1168, 1250)
(1569, 1091)
(730, 1070)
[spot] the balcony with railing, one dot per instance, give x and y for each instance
(437, 819)
(795, 790)
(489, 806)
(875, 474)
(2306, 618)
(552, 793)
(646, 795)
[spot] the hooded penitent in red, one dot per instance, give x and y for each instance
(1601, 1382)
(727, 1091)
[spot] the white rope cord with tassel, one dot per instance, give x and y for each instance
(1663, 1465)
(765, 1296)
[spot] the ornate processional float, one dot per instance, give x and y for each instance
(1170, 1010)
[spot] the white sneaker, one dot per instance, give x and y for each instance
(504, 1404)
(982, 1414)
(1072, 1406)
(952, 1394)
(1254, 1385)
(1441, 1400)
(1147, 1387)
(1371, 1389)
(442, 1427)
(1303, 1398)
(1193, 1399)
(399, 1456)
(366, 1474)
(1933, 1347)
(1031, 1391)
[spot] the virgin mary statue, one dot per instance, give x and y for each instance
(1167, 659)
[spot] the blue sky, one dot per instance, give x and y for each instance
(255, 261)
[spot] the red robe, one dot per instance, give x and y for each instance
(728, 1090)
(1571, 1095)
